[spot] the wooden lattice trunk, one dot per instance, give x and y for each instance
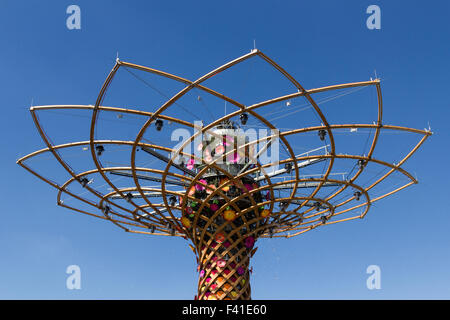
(224, 206)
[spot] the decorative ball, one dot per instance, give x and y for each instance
(221, 263)
(220, 237)
(190, 164)
(210, 188)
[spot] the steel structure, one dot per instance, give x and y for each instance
(222, 208)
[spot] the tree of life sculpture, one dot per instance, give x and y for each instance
(226, 197)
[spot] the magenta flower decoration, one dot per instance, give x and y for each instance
(202, 273)
(220, 149)
(240, 271)
(214, 207)
(233, 158)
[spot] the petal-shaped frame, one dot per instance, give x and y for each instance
(164, 218)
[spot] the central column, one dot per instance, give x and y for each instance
(228, 217)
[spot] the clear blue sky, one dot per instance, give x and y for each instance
(320, 43)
